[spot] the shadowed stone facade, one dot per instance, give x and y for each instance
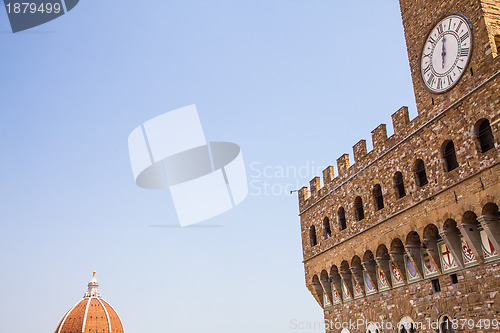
(410, 232)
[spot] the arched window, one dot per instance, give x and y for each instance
(420, 175)
(312, 236)
(341, 219)
(406, 325)
(485, 136)
(450, 157)
(445, 325)
(377, 197)
(399, 185)
(326, 228)
(359, 213)
(372, 328)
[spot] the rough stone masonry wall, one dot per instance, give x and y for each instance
(491, 10)
(398, 153)
(447, 195)
(451, 116)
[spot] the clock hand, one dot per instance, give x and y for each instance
(443, 52)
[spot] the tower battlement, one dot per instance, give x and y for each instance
(362, 158)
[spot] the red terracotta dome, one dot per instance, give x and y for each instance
(91, 315)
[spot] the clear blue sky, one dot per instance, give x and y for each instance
(292, 82)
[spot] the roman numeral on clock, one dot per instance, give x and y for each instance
(464, 36)
(440, 28)
(458, 27)
(428, 68)
(432, 40)
(440, 84)
(450, 79)
(430, 80)
(464, 52)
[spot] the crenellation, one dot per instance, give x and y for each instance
(359, 150)
(328, 175)
(400, 119)
(343, 165)
(304, 194)
(379, 137)
(315, 185)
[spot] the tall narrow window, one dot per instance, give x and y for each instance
(450, 156)
(312, 236)
(399, 185)
(420, 175)
(326, 228)
(377, 197)
(485, 136)
(497, 44)
(358, 209)
(341, 218)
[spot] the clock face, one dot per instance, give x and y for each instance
(446, 53)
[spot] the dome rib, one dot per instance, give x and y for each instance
(107, 315)
(61, 325)
(85, 316)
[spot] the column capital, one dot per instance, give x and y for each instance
(486, 219)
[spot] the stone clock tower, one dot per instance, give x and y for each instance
(407, 238)
(476, 59)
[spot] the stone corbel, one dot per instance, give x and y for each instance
(385, 265)
(371, 271)
(454, 244)
(491, 226)
(414, 255)
(473, 239)
(432, 249)
(399, 261)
